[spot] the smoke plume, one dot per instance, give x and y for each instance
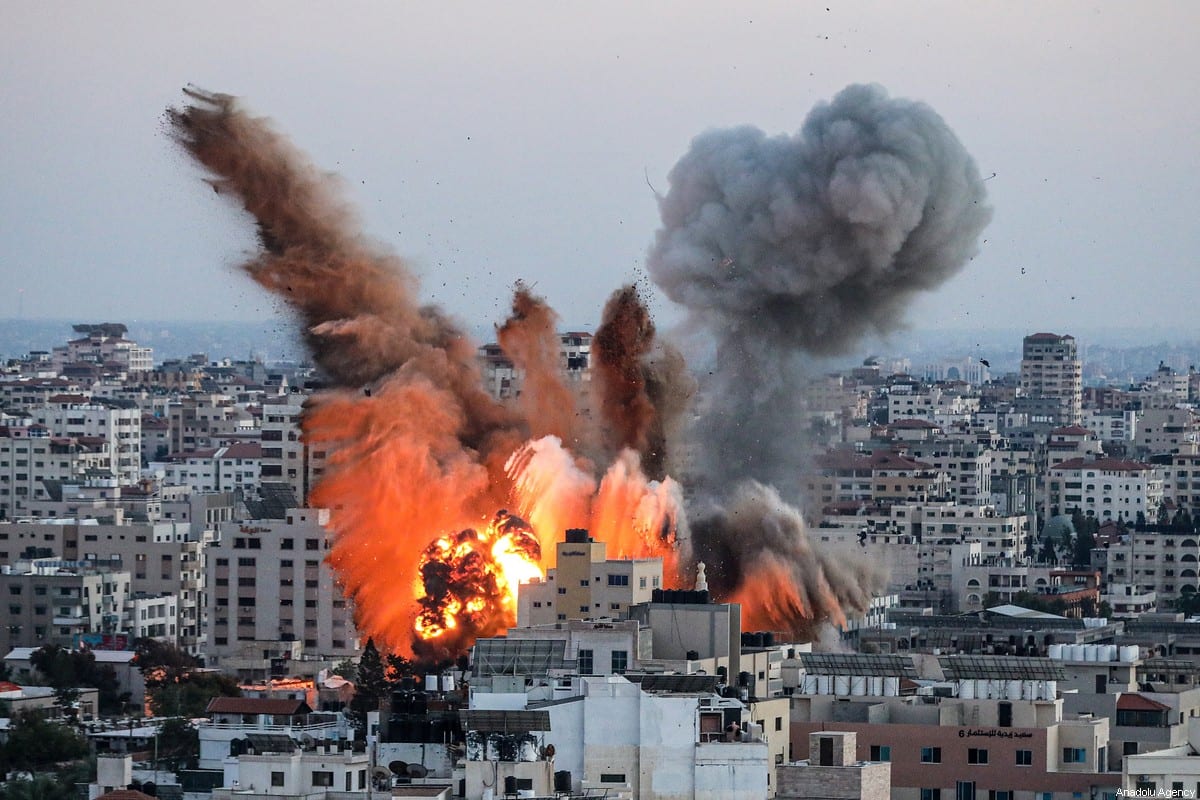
(778, 247)
(788, 247)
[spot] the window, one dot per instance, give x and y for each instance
(881, 752)
(620, 661)
(931, 794)
(246, 562)
(618, 580)
(931, 755)
(996, 794)
(277, 779)
(1024, 758)
(1074, 755)
(977, 755)
(322, 778)
(612, 777)
(312, 544)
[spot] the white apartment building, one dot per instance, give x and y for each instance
(153, 617)
(1166, 563)
(53, 601)
(1051, 370)
(1167, 430)
(103, 344)
(1181, 480)
(235, 467)
(613, 737)
(285, 457)
(1106, 488)
(29, 456)
(932, 404)
(1111, 424)
(271, 595)
(120, 427)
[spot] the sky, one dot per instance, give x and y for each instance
(494, 142)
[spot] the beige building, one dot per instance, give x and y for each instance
(585, 584)
(1051, 371)
(274, 605)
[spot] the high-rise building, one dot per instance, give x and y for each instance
(1052, 372)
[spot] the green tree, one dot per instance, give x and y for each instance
(370, 684)
(162, 663)
(190, 696)
(34, 742)
(346, 668)
(396, 668)
(178, 744)
(66, 671)
(1048, 553)
(1084, 542)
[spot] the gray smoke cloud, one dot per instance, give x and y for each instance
(791, 245)
(783, 249)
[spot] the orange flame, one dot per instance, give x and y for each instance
(467, 585)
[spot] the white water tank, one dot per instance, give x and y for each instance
(1056, 651)
(966, 690)
(431, 683)
(824, 684)
(810, 685)
(841, 685)
(1091, 652)
(891, 687)
(1110, 652)
(1013, 690)
(876, 687)
(1076, 653)
(1051, 690)
(1129, 653)
(447, 683)
(858, 685)
(996, 690)
(1029, 690)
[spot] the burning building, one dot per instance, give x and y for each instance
(778, 247)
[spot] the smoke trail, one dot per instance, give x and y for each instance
(422, 451)
(782, 248)
(530, 338)
(643, 383)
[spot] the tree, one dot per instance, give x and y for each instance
(178, 744)
(1048, 555)
(371, 684)
(1084, 542)
(397, 668)
(161, 663)
(35, 742)
(346, 668)
(68, 670)
(190, 696)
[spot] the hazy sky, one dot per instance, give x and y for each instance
(488, 142)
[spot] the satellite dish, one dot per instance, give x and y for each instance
(417, 771)
(381, 773)
(307, 742)
(398, 767)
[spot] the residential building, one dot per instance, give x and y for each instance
(1051, 371)
(274, 605)
(1105, 488)
(586, 585)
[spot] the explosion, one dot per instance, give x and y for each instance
(466, 577)
(778, 247)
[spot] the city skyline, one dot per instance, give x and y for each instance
(464, 140)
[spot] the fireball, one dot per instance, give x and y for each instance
(467, 584)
